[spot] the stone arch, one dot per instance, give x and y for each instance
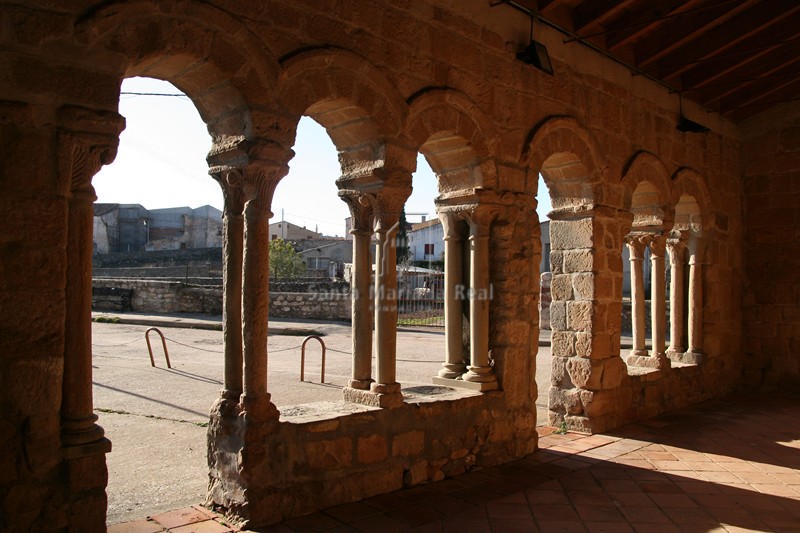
(348, 96)
(568, 158)
(456, 138)
(687, 182)
(647, 191)
(200, 49)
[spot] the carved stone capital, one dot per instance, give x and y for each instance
(658, 246)
(361, 209)
(87, 140)
(637, 243)
(388, 205)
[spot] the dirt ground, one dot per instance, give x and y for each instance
(156, 417)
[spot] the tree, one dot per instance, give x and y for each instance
(402, 238)
(284, 261)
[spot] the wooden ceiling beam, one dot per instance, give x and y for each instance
(591, 16)
(642, 22)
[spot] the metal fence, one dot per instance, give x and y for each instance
(420, 299)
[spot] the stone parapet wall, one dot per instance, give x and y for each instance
(322, 455)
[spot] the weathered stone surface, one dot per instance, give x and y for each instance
(372, 449)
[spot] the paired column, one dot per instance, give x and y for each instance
(88, 141)
(386, 226)
(259, 182)
(454, 365)
(232, 253)
(636, 246)
(361, 311)
(696, 248)
(675, 248)
(479, 371)
(658, 303)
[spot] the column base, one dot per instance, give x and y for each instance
(638, 353)
(657, 360)
(78, 432)
(691, 358)
(259, 408)
(361, 384)
(99, 447)
(452, 370)
(373, 398)
(468, 385)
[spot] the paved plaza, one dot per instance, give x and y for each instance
(156, 417)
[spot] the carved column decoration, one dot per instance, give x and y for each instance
(696, 250)
(361, 216)
(636, 245)
(454, 365)
(658, 304)
(388, 206)
(676, 249)
(232, 255)
(480, 371)
(87, 141)
(259, 180)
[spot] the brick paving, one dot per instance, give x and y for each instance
(728, 465)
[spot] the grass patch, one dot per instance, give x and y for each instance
(108, 320)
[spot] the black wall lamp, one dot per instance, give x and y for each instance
(535, 54)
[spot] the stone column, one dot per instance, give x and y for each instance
(88, 141)
(658, 304)
(454, 293)
(675, 248)
(361, 214)
(696, 248)
(385, 385)
(479, 372)
(232, 256)
(259, 182)
(636, 246)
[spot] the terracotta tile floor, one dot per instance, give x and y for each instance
(726, 465)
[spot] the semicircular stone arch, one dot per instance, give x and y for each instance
(569, 159)
(687, 182)
(456, 138)
(349, 97)
(647, 192)
(200, 49)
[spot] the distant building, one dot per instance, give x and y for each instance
(291, 232)
(426, 241)
(325, 257)
(133, 228)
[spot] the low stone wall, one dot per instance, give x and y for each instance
(327, 454)
(159, 296)
(151, 296)
(321, 306)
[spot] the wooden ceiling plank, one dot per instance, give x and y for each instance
(590, 16)
(645, 21)
(767, 73)
(647, 54)
(787, 88)
(717, 41)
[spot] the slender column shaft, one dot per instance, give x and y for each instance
(255, 305)
(479, 370)
(385, 312)
(676, 297)
(78, 418)
(232, 251)
(695, 300)
(453, 315)
(658, 302)
(361, 317)
(636, 249)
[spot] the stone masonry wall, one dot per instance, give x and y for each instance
(384, 77)
(772, 240)
(151, 296)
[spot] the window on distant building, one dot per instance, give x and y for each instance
(429, 249)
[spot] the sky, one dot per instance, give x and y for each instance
(161, 163)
